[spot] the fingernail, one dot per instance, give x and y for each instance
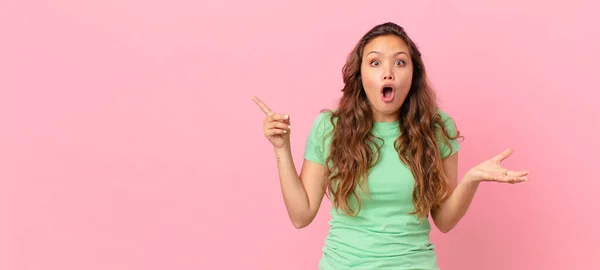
(287, 116)
(289, 126)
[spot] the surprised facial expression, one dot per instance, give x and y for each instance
(386, 73)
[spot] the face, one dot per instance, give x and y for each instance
(386, 73)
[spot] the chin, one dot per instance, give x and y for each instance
(388, 108)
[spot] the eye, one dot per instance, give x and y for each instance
(374, 63)
(400, 63)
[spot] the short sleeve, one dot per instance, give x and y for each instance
(446, 150)
(315, 150)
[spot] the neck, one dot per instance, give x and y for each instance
(379, 117)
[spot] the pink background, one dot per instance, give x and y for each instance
(129, 139)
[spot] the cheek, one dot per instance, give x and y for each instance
(405, 78)
(369, 81)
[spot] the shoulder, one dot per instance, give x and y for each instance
(444, 115)
(322, 127)
(447, 119)
(448, 122)
(319, 137)
(322, 122)
(448, 146)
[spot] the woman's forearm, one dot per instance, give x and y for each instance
(456, 205)
(294, 194)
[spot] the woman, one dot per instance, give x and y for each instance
(386, 157)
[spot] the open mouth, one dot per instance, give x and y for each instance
(387, 93)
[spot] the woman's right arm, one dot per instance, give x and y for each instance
(302, 193)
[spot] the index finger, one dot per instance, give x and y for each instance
(262, 106)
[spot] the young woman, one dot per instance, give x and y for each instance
(386, 157)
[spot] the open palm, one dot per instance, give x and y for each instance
(491, 171)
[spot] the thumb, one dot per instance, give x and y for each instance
(502, 156)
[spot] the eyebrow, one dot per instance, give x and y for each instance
(397, 53)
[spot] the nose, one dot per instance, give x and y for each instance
(388, 75)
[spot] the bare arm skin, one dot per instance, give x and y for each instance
(447, 216)
(304, 192)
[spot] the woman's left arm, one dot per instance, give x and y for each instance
(456, 205)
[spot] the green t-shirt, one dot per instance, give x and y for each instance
(383, 235)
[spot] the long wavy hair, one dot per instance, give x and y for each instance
(354, 150)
